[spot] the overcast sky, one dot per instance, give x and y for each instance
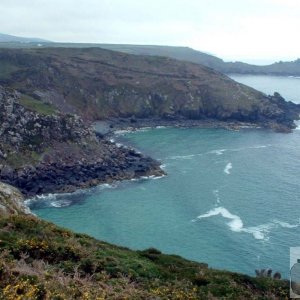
(231, 29)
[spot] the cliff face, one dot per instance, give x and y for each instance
(55, 153)
(11, 201)
(22, 129)
(99, 84)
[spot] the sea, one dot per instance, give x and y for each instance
(230, 198)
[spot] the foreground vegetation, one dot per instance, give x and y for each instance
(42, 261)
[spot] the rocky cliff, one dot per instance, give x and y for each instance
(100, 84)
(54, 153)
(11, 201)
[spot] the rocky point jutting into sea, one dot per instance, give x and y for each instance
(55, 153)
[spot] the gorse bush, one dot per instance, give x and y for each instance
(39, 260)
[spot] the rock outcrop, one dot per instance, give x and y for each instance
(58, 153)
(22, 129)
(12, 201)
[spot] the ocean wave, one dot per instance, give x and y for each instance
(259, 232)
(61, 203)
(152, 177)
(285, 224)
(64, 199)
(222, 151)
(228, 168)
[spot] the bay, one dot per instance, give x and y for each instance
(230, 199)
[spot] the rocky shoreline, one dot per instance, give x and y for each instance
(42, 154)
(62, 177)
(111, 126)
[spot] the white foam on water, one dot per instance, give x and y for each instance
(153, 177)
(62, 203)
(134, 179)
(106, 186)
(122, 132)
(259, 147)
(286, 224)
(298, 125)
(218, 151)
(259, 232)
(28, 202)
(143, 129)
(163, 166)
(228, 168)
(176, 157)
(159, 177)
(235, 224)
(222, 151)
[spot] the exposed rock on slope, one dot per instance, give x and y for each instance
(99, 84)
(43, 154)
(11, 201)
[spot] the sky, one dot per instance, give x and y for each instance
(245, 30)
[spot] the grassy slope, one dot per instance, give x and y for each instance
(36, 105)
(42, 261)
(98, 83)
(182, 53)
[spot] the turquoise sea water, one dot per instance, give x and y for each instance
(231, 199)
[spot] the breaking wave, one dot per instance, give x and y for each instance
(235, 223)
(228, 168)
(64, 199)
(222, 151)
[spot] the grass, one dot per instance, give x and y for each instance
(6, 69)
(18, 159)
(37, 106)
(39, 260)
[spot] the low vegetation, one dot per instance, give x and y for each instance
(37, 106)
(42, 261)
(96, 84)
